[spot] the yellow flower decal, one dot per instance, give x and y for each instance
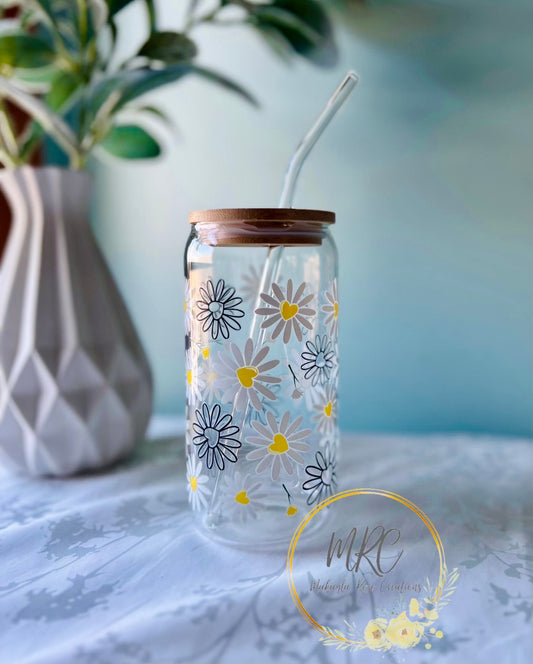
(375, 634)
(404, 633)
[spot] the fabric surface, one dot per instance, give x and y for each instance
(109, 568)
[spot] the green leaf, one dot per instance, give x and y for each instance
(131, 142)
(131, 84)
(168, 47)
(152, 18)
(63, 87)
(157, 113)
(42, 77)
(282, 19)
(156, 78)
(62, 90)
(63, 18)
(19, 50)
(99, 14)
(303, 24)
(117, 5)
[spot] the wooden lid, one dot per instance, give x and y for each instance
(272, 215)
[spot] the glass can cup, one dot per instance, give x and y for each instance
(261, 312)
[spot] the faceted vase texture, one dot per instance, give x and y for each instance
(75, 384)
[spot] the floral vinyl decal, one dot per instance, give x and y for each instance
(322, 481)
(325, 409)
(245, 375)
(318, 360)
(288, 311)
(243, 496)
(214, 437)
(196, 484)
(331, 309)
(219, 309)
(194, 380)
(279, 445)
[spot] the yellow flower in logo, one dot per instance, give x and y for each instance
(431, 614)
(404, 633)
(414, 608)
(375, 634)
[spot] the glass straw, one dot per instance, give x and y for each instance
(273, 259)
(335, 102)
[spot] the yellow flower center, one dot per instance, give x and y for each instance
(193, 481)
(184, 305)
(280, 444)
(376, 634)
(242, 498)
(336, 309)
(288, 310)
(291, 510)
(327, 409)
(205, 353)
(189, 377)
(246, 376)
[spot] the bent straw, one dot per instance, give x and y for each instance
(274, 255)
(301, 153)
(338, 98)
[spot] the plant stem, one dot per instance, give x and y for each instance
(193, 21)
(7, 133)
(6, 159)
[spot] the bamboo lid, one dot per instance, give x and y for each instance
(272, 215)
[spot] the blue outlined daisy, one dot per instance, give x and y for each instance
(322, 476)
(318, 360)
(214, 437)
(218, 309)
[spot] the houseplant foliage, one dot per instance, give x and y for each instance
(58, 65)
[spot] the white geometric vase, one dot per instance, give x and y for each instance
(75, 384)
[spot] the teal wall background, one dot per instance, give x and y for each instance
(428, 169)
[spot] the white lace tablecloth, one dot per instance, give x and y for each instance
(109, 568)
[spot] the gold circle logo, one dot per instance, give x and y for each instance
(406, 630)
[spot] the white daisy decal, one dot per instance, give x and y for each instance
(288, 311)
(251, 284)
(197, 484)
(194, 379)
(325, 409)
(214, 437)
(244, 376)
(331, 309)
(211, 391)
(219, 309)
(318, 360)
(322, 481)
(243, 496)
(278, 445)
